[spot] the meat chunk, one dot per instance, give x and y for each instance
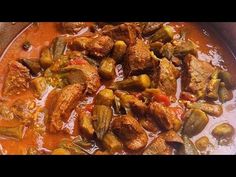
(17, 79)
(150, 27)
(137, 59)
(166, 76)
(23, 109)
(130, 132)
(197, 74)
(65, 103)
(84, 74)
(137, 107)
(100, 46)
(72, 27)
(127, 32)
(158, 147)
(163, 115)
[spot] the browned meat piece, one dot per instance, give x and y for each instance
(197, 75)
(23, 109)
(149, 124)
(166, 76)
(130, 132)
(72, 27)
(127, 100)
(158, 147)
(127, 32)
(100, 46)
(163, 115)
(137, 59)
(65, 103)
(17, 79)
(151, 27)
(84, 74)
(172, 137)
(80, 42)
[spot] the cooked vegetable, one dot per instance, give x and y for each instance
(165, 34)
(211, 109)
(155, 47)
(130, 102)
(213, 88)
(13, 132)
(58, 46)
(188, 147)
(119, 50)
(182, 48)
(102, 115)
(133, 83)
(105, 97)
(157, 95)
(227, 79)
(167, 50)
(46, 59)
(111, 142)
(71, 147)
(195, 123)
(85, 123)
(224, 93)
(83, 143)
(223, 132)
(107, 68)
(26, 45)
(33, 66)
(202, 143)
(39, 85)
(177, 124)
(60, 151)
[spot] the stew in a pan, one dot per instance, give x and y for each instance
(151, 88)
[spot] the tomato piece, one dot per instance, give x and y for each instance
(78, 61)
(161, 98)
(89, 107)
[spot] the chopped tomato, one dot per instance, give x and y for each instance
(89, 107)
(161, 98)
(78, 61)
